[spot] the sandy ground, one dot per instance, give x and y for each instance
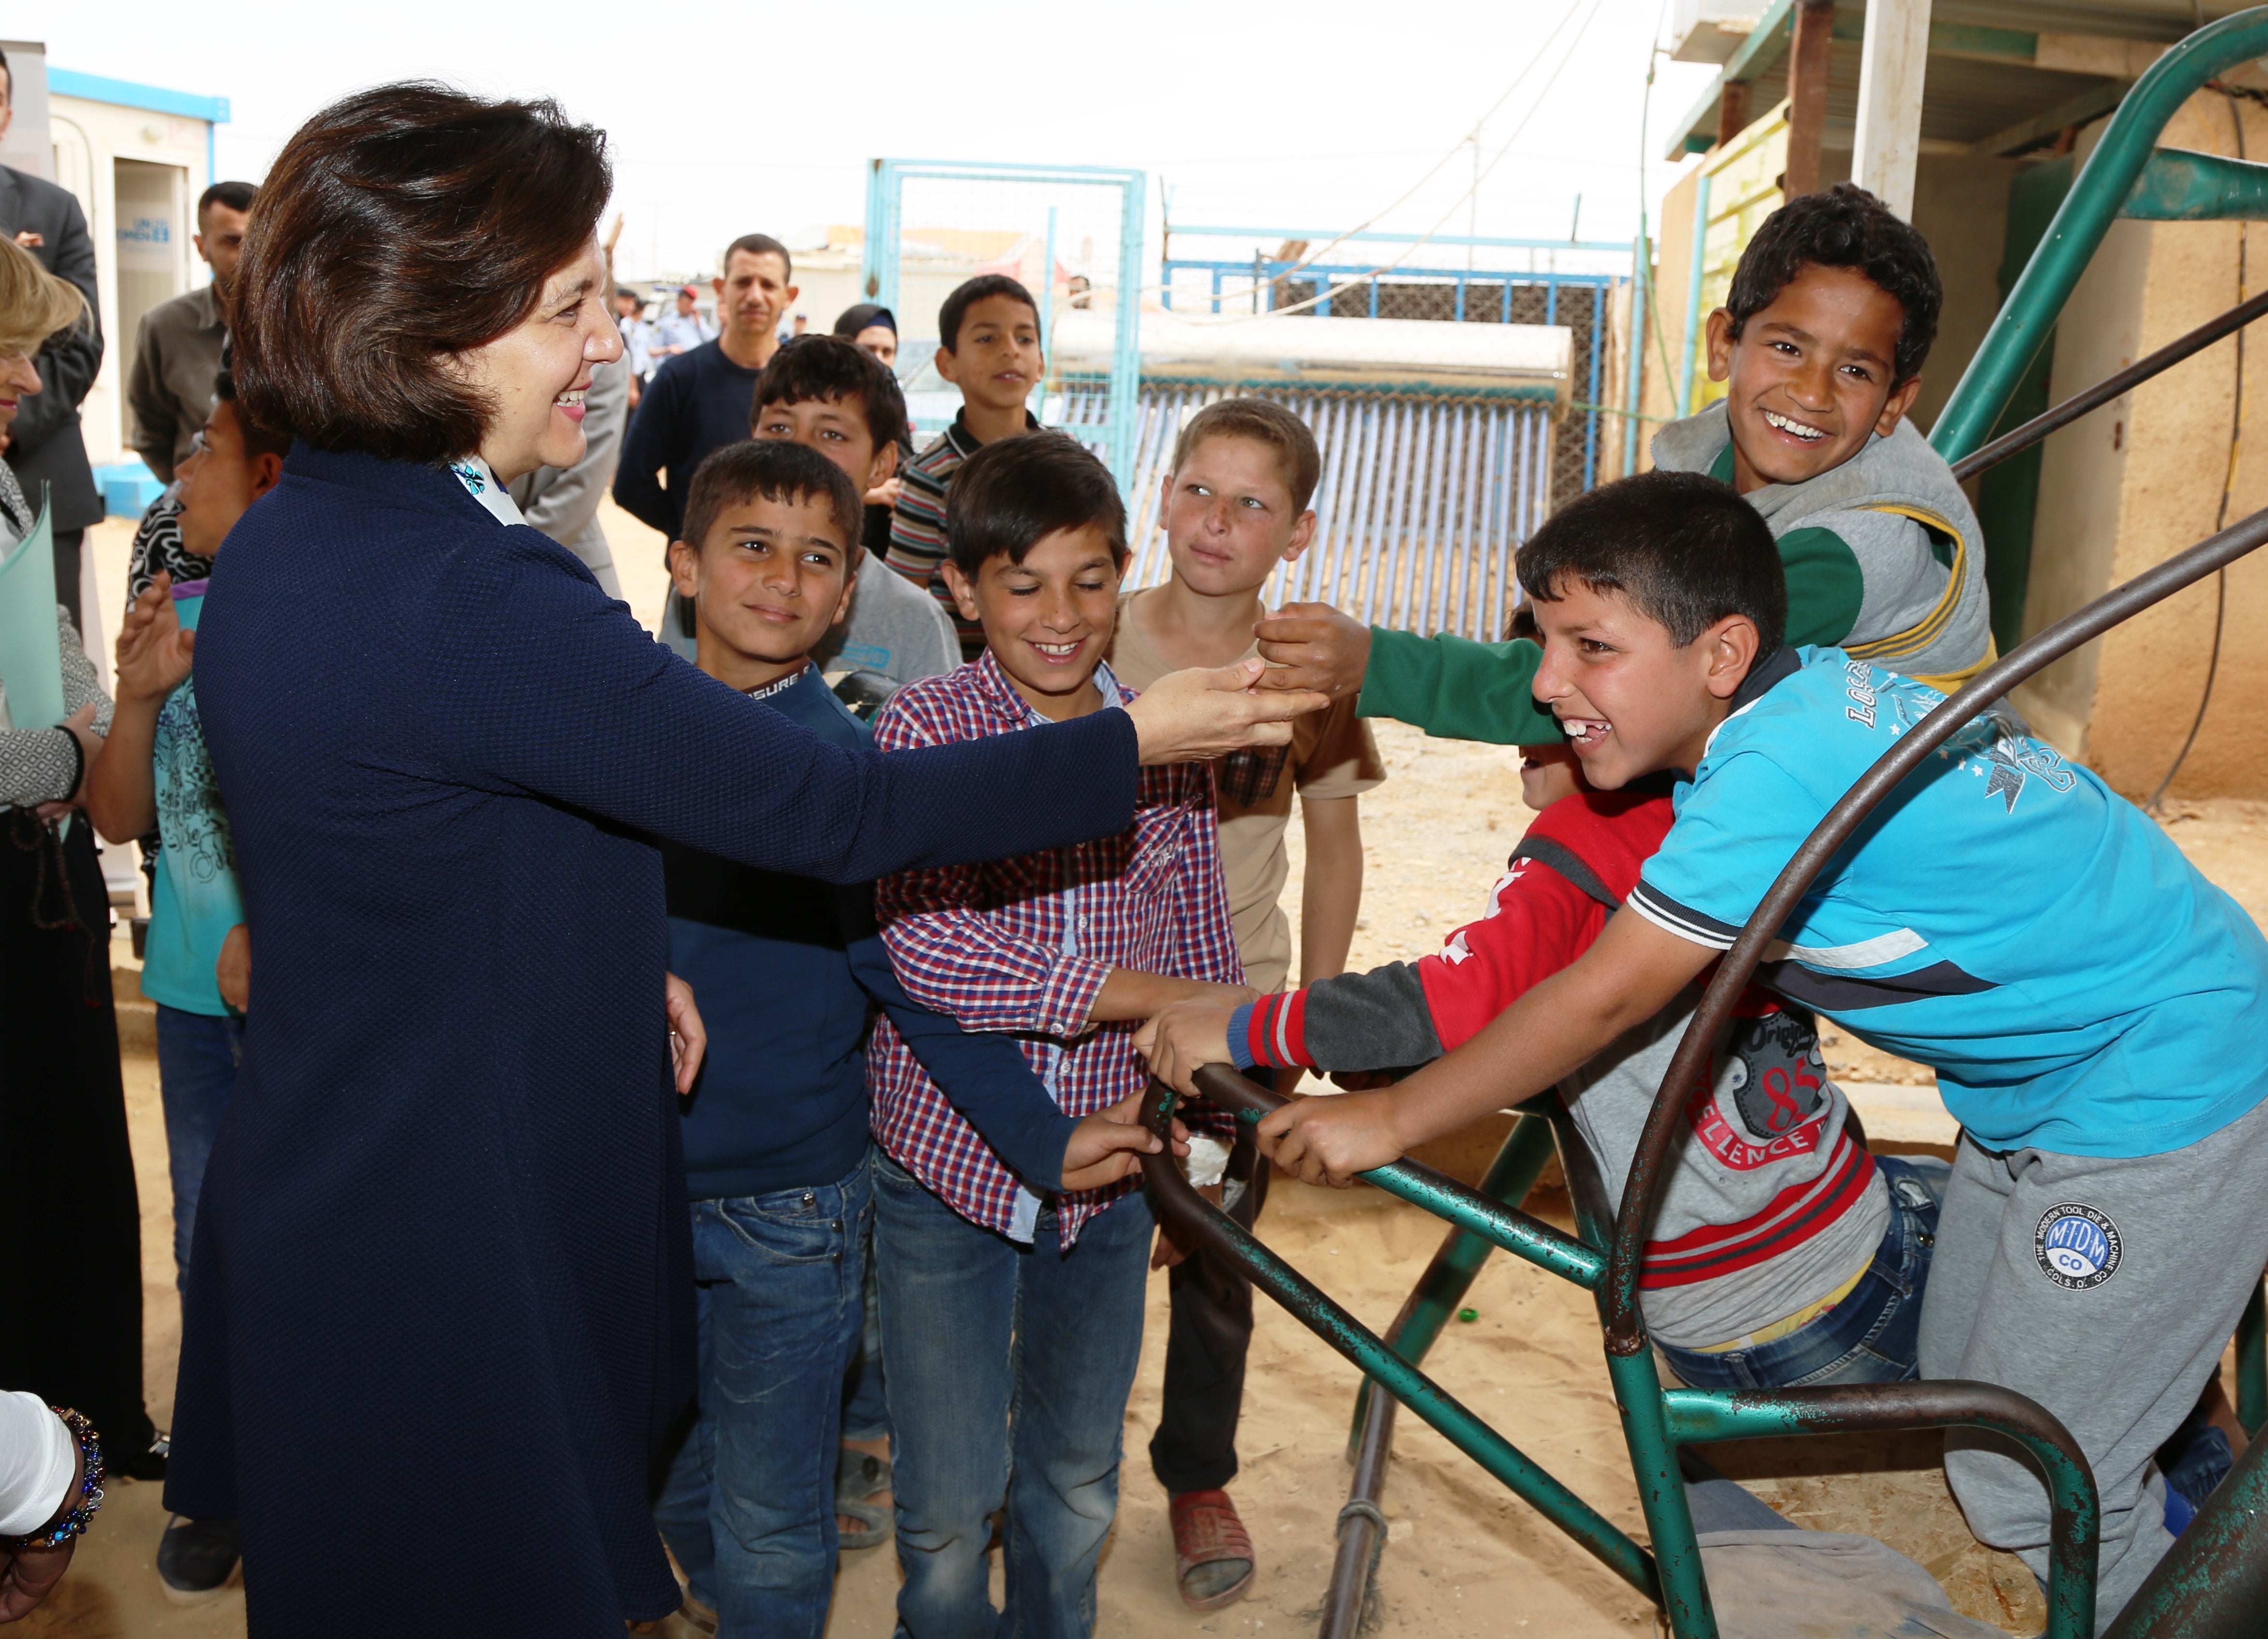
(1462, 1557)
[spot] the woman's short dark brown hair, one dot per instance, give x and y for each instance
(399, 226)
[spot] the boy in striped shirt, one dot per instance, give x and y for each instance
(989, 345)
(1011, 1319)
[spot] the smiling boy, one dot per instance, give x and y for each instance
(2092, 1004)
(838, 399)
(1011, 1313)
(1820, 344)
(989, 346)
(1234, 506)
(788, 971)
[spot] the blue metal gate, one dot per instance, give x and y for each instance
(932, 223)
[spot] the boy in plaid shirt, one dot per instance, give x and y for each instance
(1012, 1319)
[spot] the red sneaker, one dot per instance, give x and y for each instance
(1214, 1562)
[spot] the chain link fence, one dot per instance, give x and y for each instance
(1581, 307)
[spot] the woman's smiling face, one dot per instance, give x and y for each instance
(536, 372)
(19, 378)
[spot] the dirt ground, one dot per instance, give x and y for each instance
(1463, 1557)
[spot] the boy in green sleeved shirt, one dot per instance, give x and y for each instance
(1821, 342)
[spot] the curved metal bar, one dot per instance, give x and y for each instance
(1526, 1148)
(1421, 1185)
(2110, 387)
(2212, 1582)
(2086, 215)
(1649, 1167)
(1196, 1220)
(1697, 1415)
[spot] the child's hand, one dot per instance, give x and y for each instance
(153, 651)
(1329, 1140)
(232, 972)
(1185, 1036)
(1109, 1144)
(1313, 645)
(688, 1040)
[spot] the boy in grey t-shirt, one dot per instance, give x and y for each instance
(822, 391)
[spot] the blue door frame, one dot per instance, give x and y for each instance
(885, 194)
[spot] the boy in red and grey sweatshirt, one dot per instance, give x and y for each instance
(1784, 1252)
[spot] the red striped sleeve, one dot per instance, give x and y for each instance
(1277, 1033)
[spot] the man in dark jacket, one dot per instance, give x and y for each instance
(44, 446)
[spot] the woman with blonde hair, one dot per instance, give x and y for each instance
(72, 1330)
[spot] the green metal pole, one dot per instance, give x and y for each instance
(2252, 1365)
(1506, 1226)
(1519, 1162)
(1661, 1495)
(2212, 1582)
(1694, 1415)
(1514, 1469)
(2094, 203)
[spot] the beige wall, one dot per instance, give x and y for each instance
(1672, 262)
(2141, 479)
(1961, 205)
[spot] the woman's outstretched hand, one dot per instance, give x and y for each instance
(1187, 715)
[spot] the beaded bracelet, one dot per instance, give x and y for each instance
(90, 1490)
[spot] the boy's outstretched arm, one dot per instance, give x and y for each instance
(1451, 686)
(1628, 975)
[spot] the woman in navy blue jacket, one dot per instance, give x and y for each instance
(437, 1315)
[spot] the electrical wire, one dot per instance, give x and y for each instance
(2227, 487)
(1419, 242)
(1311, 257)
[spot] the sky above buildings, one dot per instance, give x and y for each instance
(729, 119)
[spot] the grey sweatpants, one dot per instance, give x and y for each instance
(2106, 1290)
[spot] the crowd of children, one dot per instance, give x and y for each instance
(920, 1248)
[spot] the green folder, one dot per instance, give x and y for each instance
(31, 648)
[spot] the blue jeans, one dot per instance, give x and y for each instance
(197, 1056)
(865, 1407)
(749, 1505)
(1010, 1369)
(1874, 1334)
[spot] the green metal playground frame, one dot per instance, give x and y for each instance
(2215, 1581)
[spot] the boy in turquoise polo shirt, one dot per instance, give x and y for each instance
(1820, 344)
(156, 774)
(2092, 1004)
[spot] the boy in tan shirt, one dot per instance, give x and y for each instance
(1235, 506)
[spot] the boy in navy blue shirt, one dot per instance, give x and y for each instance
(788, 971)
(2092, 1004)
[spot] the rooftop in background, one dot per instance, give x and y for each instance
(2003, 77)
(126, 94)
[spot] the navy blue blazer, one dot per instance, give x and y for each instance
(439, 1313)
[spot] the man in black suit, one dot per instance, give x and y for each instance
(44, 447)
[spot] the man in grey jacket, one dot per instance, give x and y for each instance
(177, 348)
(44, 447)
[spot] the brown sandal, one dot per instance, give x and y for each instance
(1214, 1562)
